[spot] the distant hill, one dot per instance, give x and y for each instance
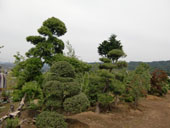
(163, 65)
(6, 65)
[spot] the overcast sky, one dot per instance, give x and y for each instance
(143, 26)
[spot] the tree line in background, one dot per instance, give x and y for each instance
(72, 86)
(161, 65)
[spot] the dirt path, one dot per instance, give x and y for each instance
(154, 113)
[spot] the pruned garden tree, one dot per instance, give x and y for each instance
(62, 91)
(103, 89)
(47, 44)
(107, 45)
(111, 51)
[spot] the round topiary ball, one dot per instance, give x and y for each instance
(63, 69)
(76, 104)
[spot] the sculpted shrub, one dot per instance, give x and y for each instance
(50, 120)
(76, 104)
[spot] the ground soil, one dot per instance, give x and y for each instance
(153, 112)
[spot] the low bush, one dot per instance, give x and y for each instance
(159, 83)
(50, 120)
(12, 123)
(76, 104)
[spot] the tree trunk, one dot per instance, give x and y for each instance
(116, 100)
(97, 108)
(15, 113)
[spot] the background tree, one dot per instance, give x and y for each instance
(159, 83)
(71, 51)
(137, 83)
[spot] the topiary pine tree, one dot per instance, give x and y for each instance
(108, 45)
(112, 50)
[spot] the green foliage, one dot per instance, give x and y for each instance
(50, 120)
(76, 104)
(12, 123)
(59, 84)
(56, 26)
(28, 70)
(32, 90)
(137, 84)
(105, 99)
(109, 45)
(118, 87)
(35, 39)
(112, 51)
(17, 95)
(121, 64)
(108, 66)
(115, 54)
(105, 60)
(78, 65)
(47, 44)
(62, 69)
(144, 71)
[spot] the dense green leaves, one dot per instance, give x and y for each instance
(35, 39)
(27, 70)
(47, 45)
(56, 26)
(79, 66)
(115, 54)
(50, 120)
(109, 45)
(76, 104)
(59, 85)
(62, 69)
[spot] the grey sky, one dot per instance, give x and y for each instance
(143, 26)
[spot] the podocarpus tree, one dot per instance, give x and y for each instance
(47, 44)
